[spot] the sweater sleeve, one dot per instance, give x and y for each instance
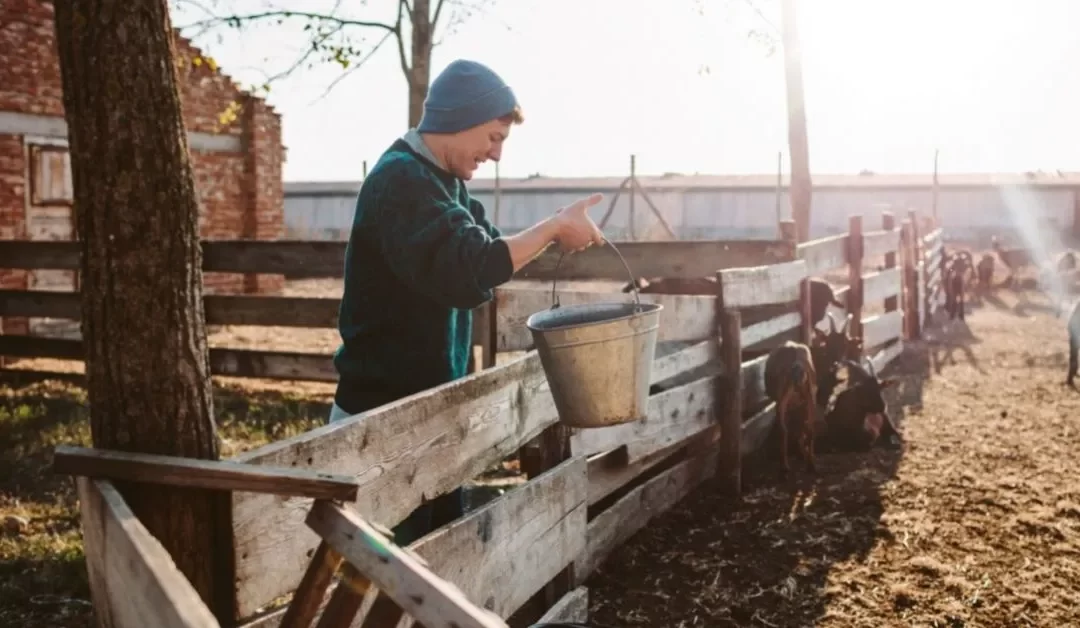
(480, 215)
(433, 244)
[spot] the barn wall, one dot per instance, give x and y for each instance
(237, 162)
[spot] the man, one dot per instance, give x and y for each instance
(422, 254)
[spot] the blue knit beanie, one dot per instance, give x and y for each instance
(464, 95)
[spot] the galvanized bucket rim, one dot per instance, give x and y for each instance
(639, 310)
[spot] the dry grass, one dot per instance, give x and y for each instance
(975, 523)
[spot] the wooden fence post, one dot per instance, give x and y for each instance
(888, 223)
(729, 397)
(918, 287)
(909, 289)
(546, 452)
(855, 282)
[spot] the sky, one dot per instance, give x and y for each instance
(992, 84)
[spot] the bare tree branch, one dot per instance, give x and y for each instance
(236, 21)
(359, 64)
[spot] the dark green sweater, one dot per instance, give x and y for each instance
(421, 256)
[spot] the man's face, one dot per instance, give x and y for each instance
(472, 147)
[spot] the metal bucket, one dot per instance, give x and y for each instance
(597, 357)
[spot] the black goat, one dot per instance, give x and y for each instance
(858, 417)
(791, 382)
(957, 269)
(829, 350)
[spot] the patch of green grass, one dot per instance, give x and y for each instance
(42, 570)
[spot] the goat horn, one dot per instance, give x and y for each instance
(846, 321)
(870, 363)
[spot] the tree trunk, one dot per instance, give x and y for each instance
(419, 74)
(142, 314)
(798, 143)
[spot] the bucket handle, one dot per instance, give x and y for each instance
(555, 278)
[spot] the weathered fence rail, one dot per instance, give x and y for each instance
(587, 491)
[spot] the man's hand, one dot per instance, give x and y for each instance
(576, 231)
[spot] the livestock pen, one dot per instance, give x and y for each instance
(529, 552)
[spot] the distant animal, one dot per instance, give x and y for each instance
(985, 272)
(1073, 326)
(1066, 261)
(956, 270)
(790, 381)
(1015, 259)
(822, 294)
(858, 418)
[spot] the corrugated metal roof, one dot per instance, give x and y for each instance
(677, 182)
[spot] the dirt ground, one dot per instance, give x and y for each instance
(975, 523)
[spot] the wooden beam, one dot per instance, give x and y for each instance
(309, 596)
(626, 517)
(673, 416)
(882, 328)
(232, 362)
(316, 312)
(684, 318)
(400, 454)
(572, 607)
(755, 430)
(676, 258)
(881, 284)
(685, 360)
(753, 383)
(222, 475)
(878, 243)
(728, 409)
(884, 357)
(824, 254)
(766, 330)
(761, 285)
(134, 583)
(429, 599)
(503, 553)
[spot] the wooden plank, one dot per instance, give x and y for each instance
(401, 453)
(884, 283)
(885, 357)
(761, 285)
(882, 328)
(134, 582)
(824, 254)
(572, 607)
(225, 309)
(431, 600)
(878, 243)
(674, 258)
(684, 318)
(224, 475)
(626, 517)
(933, 237)
(673, 416)
(753, 383)
(315, 258)
(755, 431)
(503, 553)
(684, 360)
(309, 596)
(760, 332)
(232, 362)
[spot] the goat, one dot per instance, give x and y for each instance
(1066, 262)
(1014, 259)
(1073, 325)
(858, 417)
(828, 351)
(985, 271)
(956, 266)
(790, 380)
(821, 292)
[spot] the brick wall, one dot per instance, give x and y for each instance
(240, 191)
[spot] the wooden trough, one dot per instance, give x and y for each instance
(527, 554)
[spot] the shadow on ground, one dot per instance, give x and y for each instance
(770, 560)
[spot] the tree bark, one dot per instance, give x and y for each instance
(419, 73)
(143, 323)
(798, 142)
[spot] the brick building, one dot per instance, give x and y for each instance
(237, 164)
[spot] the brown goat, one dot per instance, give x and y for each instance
(1015, 259)
(985, 272)
(791, 382)
(858, 417)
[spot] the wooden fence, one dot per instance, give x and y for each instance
(587, 491)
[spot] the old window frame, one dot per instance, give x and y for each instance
(38, 197)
